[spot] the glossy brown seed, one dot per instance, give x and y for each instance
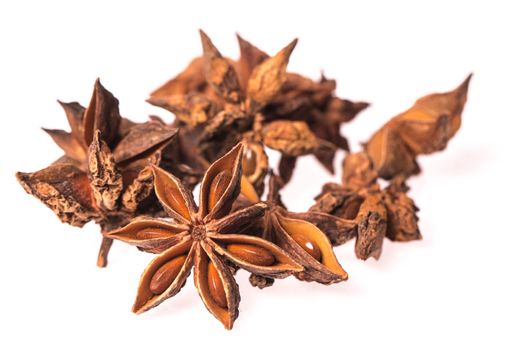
(151, 233)
(166, 274)
(249, 162)
(215, 287)
(308, 245)
(248, 191)
(253, 254)
(217, 188)
(176, 201)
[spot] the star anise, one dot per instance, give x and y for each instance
(391, 154)
(104, 175)
(315, 104)
(303, 240)
(255, 99)
(377, 213)
(206, 238)
(302, 99)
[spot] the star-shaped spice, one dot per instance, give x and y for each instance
(205, 238)
(303, 240)
(104, 175)
(256, 100)
(224, 113)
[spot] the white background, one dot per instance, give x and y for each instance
(462, 285)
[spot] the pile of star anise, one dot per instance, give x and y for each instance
(136, 180)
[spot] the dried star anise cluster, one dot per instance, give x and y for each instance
(136, 179)
(391, 155)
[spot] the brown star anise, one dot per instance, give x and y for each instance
(391, 154)
(104, 175)
(227, 110)
(206, 238)
(256, 100)
(376, 212)
(423, 129)
(301, 239)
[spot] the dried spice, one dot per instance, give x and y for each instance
(391, 154)
(206, 238)
(377, 213)
(104, 175)
(227, 113)
(425, 128)
(304, 241)
(256, 100)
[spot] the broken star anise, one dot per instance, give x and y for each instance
(104, 175)
(377, 213)
(206, 238)
(423, 129)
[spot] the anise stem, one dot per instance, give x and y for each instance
(105, 246)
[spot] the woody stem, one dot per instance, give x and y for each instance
(105, 246)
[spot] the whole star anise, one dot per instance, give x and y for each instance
(256, 100)
(104, 175)
(206, 238)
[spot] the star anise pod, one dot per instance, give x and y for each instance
(241, 103)
(391, 154)
(206, 238)
(302, 99)
(303, 240)
(377, 212)
(104, 175)
(211, 84)
(224, 115)
(255, 99)
(313, 103)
